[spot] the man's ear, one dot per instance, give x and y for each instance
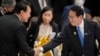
(22, 12)
(81, 16)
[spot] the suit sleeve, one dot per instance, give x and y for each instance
(56, 41)
(55, 29)
(66, 49)
(20, 38)
(97, 34)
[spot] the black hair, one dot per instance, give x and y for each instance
(48, 8)
(21, 5)
(78, 10)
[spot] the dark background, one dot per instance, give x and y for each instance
(58, 6)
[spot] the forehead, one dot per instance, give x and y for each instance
(48, 12)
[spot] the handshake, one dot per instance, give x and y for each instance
(38, 51)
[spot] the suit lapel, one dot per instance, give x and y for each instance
(16, 17)
(74, 36)
(86, 31)
(36, 5)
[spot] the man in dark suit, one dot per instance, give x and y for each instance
(12, 31)
(81, 34)
(87, 12)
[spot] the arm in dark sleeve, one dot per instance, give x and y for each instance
(66, 48)
(56, 41)
(55, 29)
(31, 34)
(97, 34)
(20, 38)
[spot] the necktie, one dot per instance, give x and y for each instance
(80, 36)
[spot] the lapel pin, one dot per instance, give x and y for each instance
(85, 33)
(74, 33)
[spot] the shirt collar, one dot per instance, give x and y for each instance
(18, 17)
(82, 24)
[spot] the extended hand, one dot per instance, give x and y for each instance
(37, 51)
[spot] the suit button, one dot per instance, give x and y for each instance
(30, 35)
(3, 55)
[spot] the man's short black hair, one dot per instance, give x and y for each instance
(78, 10)
(22, 5)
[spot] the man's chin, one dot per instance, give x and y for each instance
(73, 24)
(25, 21)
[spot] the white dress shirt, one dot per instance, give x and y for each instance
(82, 27)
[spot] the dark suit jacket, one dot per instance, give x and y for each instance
(66, 48)
(34, 30)
(91, 32)
(58, 6)
(12, 36)
(1, 14)
(66, 11)
(35, 7)
(36, 10)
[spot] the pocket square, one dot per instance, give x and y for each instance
(86, 33)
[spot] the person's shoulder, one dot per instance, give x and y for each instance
(87, 10)
(6, 18)
(15, 21)
(68, 6)
(54, 24)
(90, 22)
(67, 25)
(35, 24)
(87, 20)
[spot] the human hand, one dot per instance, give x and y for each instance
(37, 51)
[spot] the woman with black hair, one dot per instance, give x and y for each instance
(45, 26)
